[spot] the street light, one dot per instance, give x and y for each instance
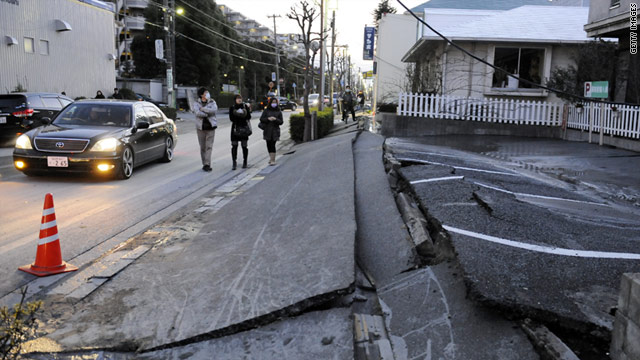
(180, 11)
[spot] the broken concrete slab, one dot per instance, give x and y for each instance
(316, 335)
(384, 245)
(282, 246)
(428, 316)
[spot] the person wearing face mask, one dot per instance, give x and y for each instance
(205, 110)
(239, 114)
(348, 104)
(270, 122)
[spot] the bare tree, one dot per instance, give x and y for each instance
(304, 15)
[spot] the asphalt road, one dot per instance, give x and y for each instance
(93, 214)
(542, 228)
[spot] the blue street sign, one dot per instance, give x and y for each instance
(369, 37)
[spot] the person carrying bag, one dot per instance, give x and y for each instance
(239, 114)
(270, 122)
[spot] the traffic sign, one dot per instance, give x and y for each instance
(294, 85)
(159, 49)
(596, 89)
(273, 76)
(271, 84)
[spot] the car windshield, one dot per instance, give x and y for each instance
(95, 115)
(313, 96)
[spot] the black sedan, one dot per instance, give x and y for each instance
(287, 104)
(109, 137)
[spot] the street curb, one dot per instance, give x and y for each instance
(417, 226)
(547, 343)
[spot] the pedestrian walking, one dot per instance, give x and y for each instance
(347, 105)
(99, 95)
(270, 122)
(239, 114)
(206, 123)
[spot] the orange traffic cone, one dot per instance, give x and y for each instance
(48, 257)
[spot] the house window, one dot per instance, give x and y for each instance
(615, 3)
(44, 47)
(29, 45)
(525, 63)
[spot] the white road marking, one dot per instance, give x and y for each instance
(457, 167)
(437, 179)
(545, 249)
(538, 196)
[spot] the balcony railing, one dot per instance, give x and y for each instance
(135, 22)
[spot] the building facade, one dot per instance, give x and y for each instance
(613, 19)
(130, 20)
(56, 46)
(252, 30)
(527, 42)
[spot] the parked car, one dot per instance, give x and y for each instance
(109, 137)
(154, 102)
(313, 100)
(21, 112)
(287, 104)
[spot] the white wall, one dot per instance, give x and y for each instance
(78, 61)
(469, 78)
(396, 35)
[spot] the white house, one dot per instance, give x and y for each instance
(527, 41)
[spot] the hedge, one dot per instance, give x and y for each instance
(128, 94)
(325, 124)
(225, 100)
(170, 112)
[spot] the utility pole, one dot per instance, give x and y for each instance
(322, 50)
(168, 19)
(333, 46)
(275, 42)
(349, 70)
(173, 55)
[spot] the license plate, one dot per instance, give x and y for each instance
(57, 161)
(3, 120)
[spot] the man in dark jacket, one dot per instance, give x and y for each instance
(348, 104)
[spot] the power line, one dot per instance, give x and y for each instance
(473, 56)
(215, 48)
(217, 33)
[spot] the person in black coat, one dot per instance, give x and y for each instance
(270, 122)
(240, 113)
(99, 95)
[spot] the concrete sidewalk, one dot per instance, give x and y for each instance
(272, 245)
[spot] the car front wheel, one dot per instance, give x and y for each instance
(293, 107)
(125, 168)
(168, 150)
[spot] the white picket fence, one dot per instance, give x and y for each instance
(616, 120)
(488, 110)
(623, 122)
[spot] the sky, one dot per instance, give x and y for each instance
(351, 18)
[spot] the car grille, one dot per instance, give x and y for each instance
(61, 145)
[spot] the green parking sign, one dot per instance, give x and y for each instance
(596, 89)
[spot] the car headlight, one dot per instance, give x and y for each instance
(23, 142)
(108, 144)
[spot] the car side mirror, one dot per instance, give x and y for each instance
(142, 125)
(46, 120)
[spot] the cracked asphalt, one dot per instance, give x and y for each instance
(532, 243)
